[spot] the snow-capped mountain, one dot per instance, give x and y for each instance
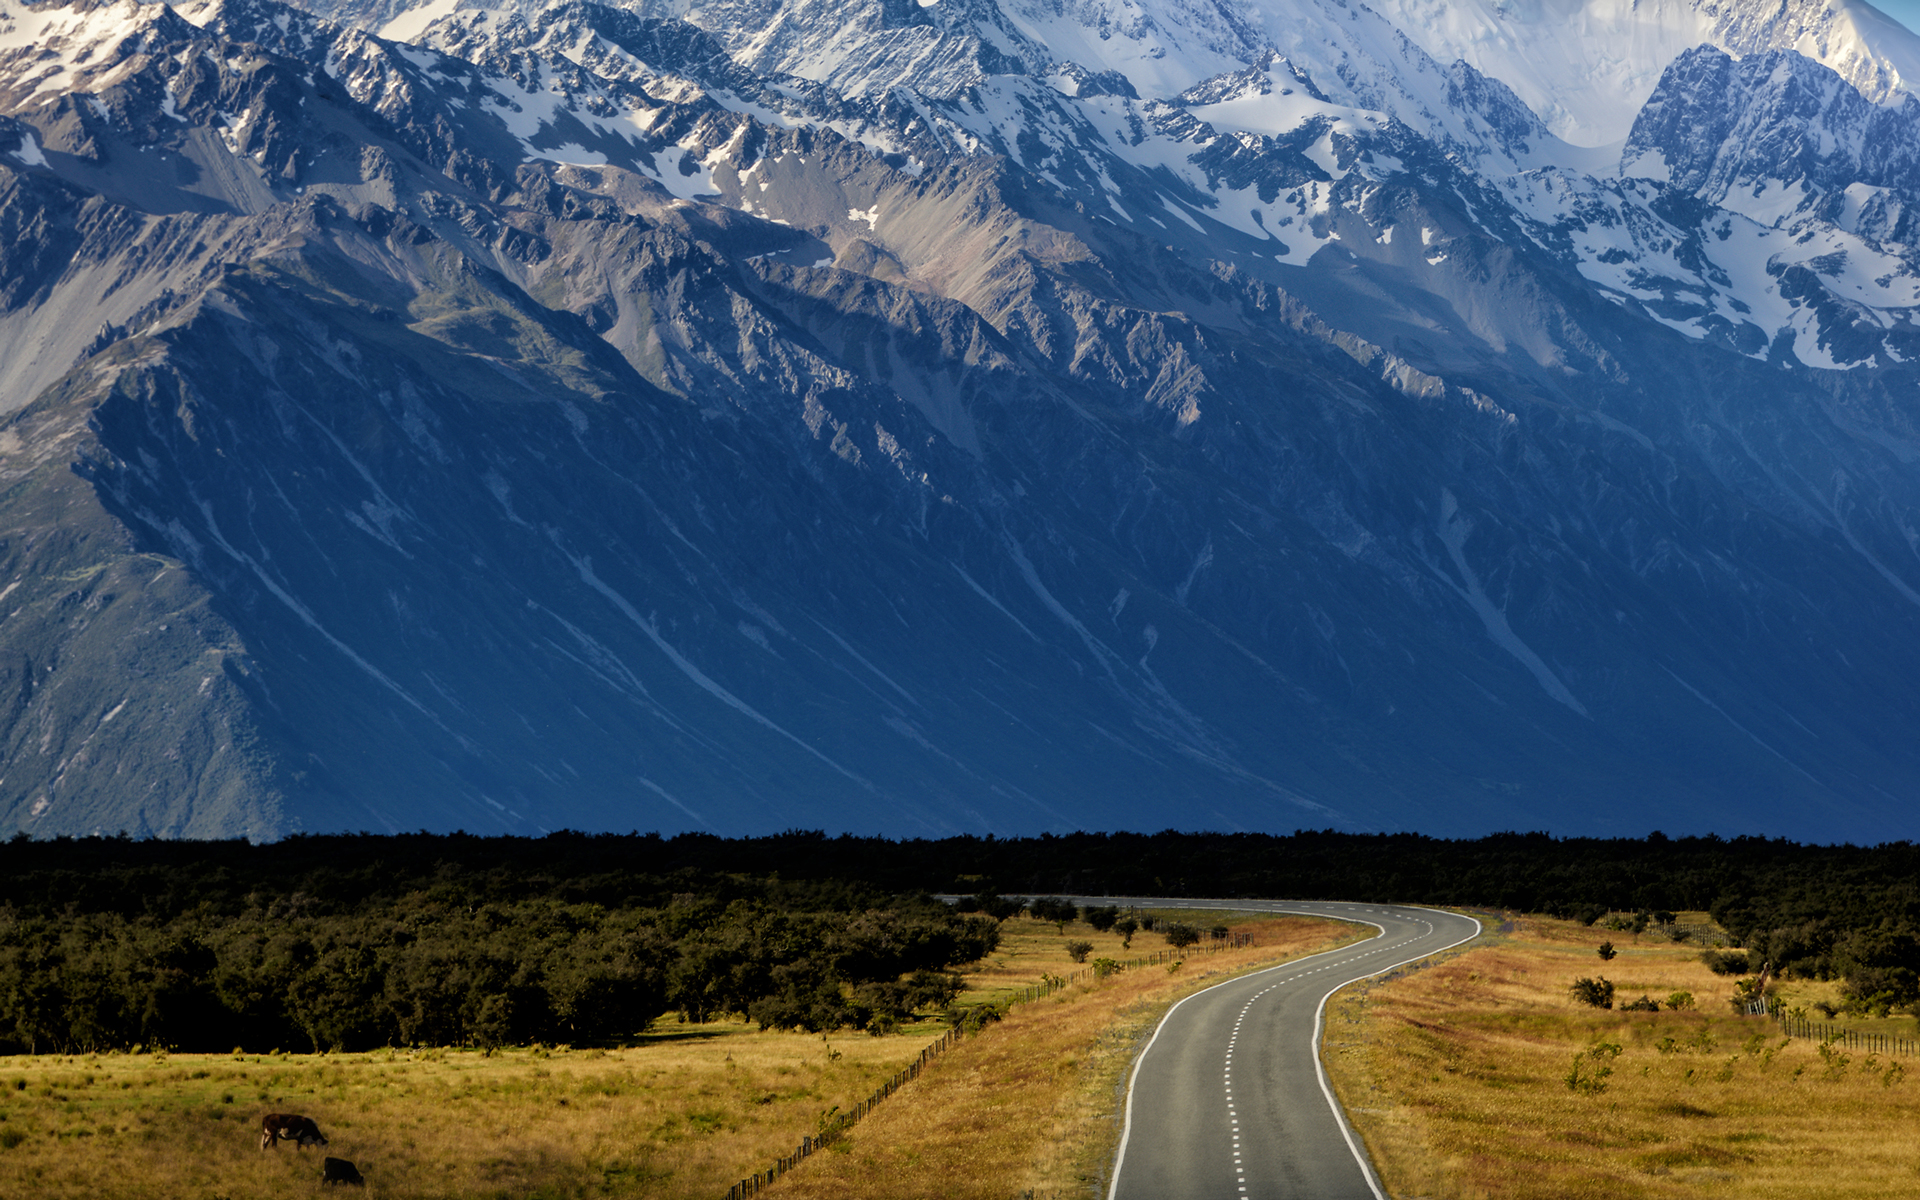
(1175, 104)
(979, 414)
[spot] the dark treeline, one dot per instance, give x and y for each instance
(361, 940)
(351, 943)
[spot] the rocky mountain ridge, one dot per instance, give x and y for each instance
(575, 419)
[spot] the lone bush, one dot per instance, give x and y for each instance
(1101, 919)
(1725, 962)
(1048, 908)
(1126, 927)
(1596, 992)
(971, 1019)
(1680, 1001)
(1103, 967)
(1607, 952)
(1597, 1061)
(1645, 1003)
(1078, 951)
(1180, 935)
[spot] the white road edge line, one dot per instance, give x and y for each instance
(1346, 1130)
(1320, 1066)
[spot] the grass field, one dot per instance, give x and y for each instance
(1029, 1109)
(1481, 1077)
(684, 1112)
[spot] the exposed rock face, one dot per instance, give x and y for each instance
(584, 418)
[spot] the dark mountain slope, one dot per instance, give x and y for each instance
(369, 473)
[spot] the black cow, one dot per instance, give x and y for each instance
(339, 1170)
(291, 1127)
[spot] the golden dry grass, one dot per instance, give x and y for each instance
(670, 1118)
(1457, 1077)
(1029, 1107)
(684, 1113)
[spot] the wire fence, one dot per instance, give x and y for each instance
(1794, 1025)
(836, 1127)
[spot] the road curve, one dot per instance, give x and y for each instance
(1229, 1101)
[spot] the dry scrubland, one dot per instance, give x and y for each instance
(1457, 1076)
(683, 1113)
(1029, 1110)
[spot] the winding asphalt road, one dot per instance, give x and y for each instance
(1229, 1100)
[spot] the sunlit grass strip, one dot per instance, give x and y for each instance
(1029, 1107)
(840, 1123)
(1480, 1076)
(1049, 984)
(671, 1118)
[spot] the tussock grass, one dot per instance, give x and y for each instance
(1029, 1107)
(669, 1118)
(684, 1113)
(1458, 1075)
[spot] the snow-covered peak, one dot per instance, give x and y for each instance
(1773, 135)
(1163, 47)
(1586, 66)
(46, 52)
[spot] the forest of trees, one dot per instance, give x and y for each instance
(362, 949)
(358, 941)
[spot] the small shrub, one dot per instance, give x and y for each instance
(972, 1019)
(1101, 919)
(1059, 912)
(1103, 967)
(1680, 1001)
(1596, 992)
(1592, 1067)
(1645, 1003)
(1078, 951)
(1607, 952)
(1725, 962)
(1836, 1061)
(1126, 928)
(1180, 935)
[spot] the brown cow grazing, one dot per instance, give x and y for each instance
(278, 1127)
(339, 1170)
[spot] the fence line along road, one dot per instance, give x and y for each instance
(1852, 1039)
(752, 1184)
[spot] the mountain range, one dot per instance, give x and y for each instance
(959, 416)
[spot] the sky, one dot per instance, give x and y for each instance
(1907, 12)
